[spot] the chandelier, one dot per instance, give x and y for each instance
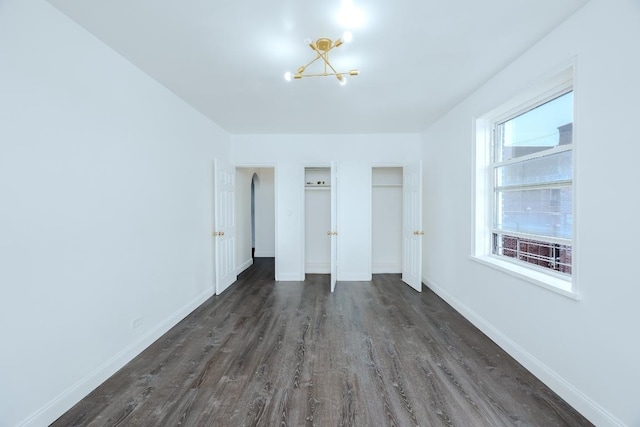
(322, 47)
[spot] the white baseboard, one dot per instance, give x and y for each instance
(290, 277)
(248, 263)
(582, 403)
(386, 267)
(317, 268)
(65, 400)
(353, 277)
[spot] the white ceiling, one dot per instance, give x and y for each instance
(227, 58)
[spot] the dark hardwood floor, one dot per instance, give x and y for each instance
(291, 353)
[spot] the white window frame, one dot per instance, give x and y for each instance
(484, 194)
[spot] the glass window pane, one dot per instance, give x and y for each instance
(545, 212)
(539, 129)
(543, 254)
(556, 167)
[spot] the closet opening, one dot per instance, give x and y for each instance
(317, 208)
(386, 220)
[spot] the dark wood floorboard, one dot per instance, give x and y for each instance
(269, 353)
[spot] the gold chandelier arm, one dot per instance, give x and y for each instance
(311, 62)
(325, 59)
(324, 54)
(322, 74)
(322, 47)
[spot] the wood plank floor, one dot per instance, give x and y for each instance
(291, 353)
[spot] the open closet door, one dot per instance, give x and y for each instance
(225, 225)
(412, 225)
(334, 225)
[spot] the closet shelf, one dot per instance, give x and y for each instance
(388, 185)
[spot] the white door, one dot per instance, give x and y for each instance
(225, 225)
(334, 225)
(412, 225)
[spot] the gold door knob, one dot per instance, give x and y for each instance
(329, 233)
(422, 233)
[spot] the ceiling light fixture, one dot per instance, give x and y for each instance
(322, 47)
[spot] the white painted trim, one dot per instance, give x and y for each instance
(317, 268)
(534, 156)
(581, 402)
(242, 267)
(266, 165)
(386, 267)
(276, 214)
(65, 400)
(302, 221)
(290, 277)
(354, 277)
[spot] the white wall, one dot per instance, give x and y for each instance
(586, 350)
(105, 192)
(355, 155)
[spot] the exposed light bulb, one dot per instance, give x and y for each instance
(287, 76)
(347, 36)
(343, 81)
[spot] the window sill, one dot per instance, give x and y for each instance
(555, 284)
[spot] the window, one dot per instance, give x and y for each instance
(524, 188)
(532, 183)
